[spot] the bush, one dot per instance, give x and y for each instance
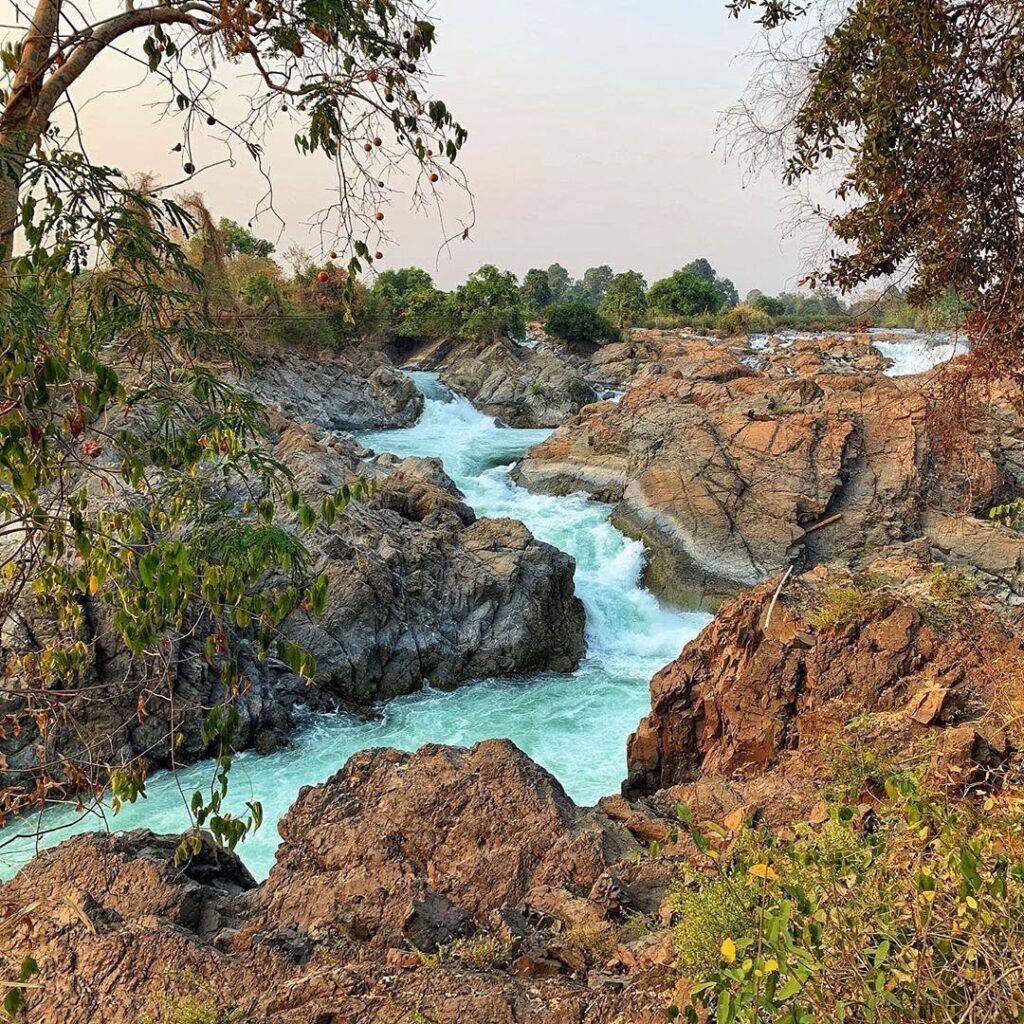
(744, 319)
(914, 912)
(579, 323)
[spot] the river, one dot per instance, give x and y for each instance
(575, 725)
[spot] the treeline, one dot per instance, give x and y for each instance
(316, 304)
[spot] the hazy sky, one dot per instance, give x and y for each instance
(592, 128)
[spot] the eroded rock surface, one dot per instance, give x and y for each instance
(480, 847)
(730, 473)
(358, 391)
(753, 709)
(521, 386)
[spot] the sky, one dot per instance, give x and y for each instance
(592, 140)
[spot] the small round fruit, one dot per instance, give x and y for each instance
(379, 215)
(189, 168)
(434, 178)
(334, 255)
(377, 140)
(389, 97)
(372, 76)
(323, 277)
(380, 184)
(211, 120)
(368, 148)
(378, 255)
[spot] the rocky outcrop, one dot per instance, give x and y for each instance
(452, 860)
(730, 474)
(420, 591)
(480, 847)
(521, 386)
(360, 391)
(754, 709)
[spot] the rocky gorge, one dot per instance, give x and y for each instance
(863, 600)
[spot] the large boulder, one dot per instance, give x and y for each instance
(517, 384)
(479, 847)
(782, 679)
(361, 391)
(423, 848)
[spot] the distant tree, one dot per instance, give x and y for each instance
(488, 305)
(558, 281)
(596, 281)
(239, 241)
(727, 290)
(625, 302)
(536, 291)
(753, 295)
(830, 303)
(396, 284)
(576, 292)
(767, 304)
(683, 294)
(428, 313)
(701, 269)
(579, 322)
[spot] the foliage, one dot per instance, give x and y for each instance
(848, 601)
(596, 281)
(914, 912)
(536, 291)
(239, 241)
(920, 106)
(353, 79)
(743, 319)
(488, 305)
(683, 294)
(558, 281)
(769, 305)
(625, 301)
(1010, 514)
(580, 323)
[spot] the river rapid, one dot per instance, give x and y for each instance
(574, 725)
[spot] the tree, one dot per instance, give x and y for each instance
(579, 322)
(625, 302)
(683, 294)
(727, 290)
(536, 291)
(596, 281)
(767, 304)
(239, 241)
(920, 106)
(136, 491)
(488, 305)
(348, 73)
(558, 281)
(701, 269)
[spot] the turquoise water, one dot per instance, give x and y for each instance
(575, 725)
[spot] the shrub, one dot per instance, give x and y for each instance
(916, 914)
(744, 319)
(848, 601)
(580, 323)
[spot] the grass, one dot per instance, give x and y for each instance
(851, 600)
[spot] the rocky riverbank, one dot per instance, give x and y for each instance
(458, 884)
(421, 592)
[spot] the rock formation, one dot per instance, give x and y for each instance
(517, 384)
(753, 710)
(420, 591)
(729, 472)
(480, 848)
